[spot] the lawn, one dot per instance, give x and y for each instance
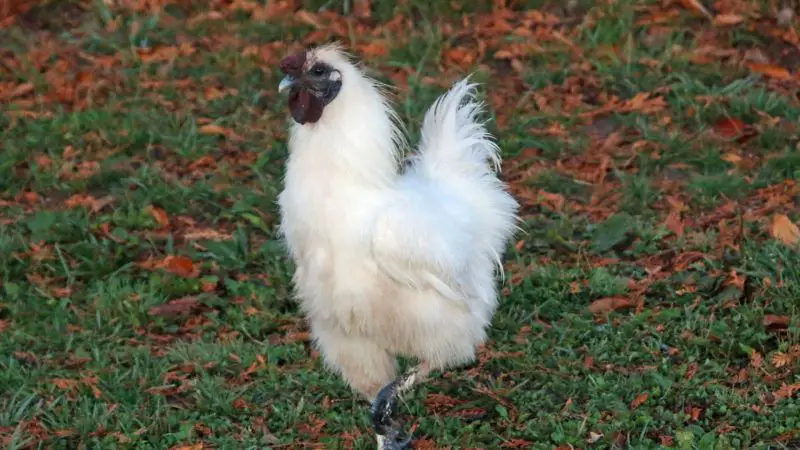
(653, 300)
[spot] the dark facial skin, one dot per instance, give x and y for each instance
(313, 89)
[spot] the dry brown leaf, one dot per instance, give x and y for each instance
(729, 128)
(609, 304)
(695, 412)
(160, 216)
(641, 398)
(728, 19)
(89, 202)
(62, 292)
(176, 307)
(781, 359)
(63, 383)
(776, 322)
(771, 70)
(214, 129)
(181, 265)
(756, 360)
(786, 391)
(783, 229)
(18, 91)
(732, 158)
(696, 6)
(674, 223)
(188, 447)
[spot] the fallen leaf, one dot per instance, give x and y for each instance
(62, 292)
(786, 391)
(177, 307)
(89, 202)
(732, 158)
(214, 129)
(180, 265)
(555, 202)
(188, 447)
(696, 6)
(593, 437)
(4, 325)
(299, 336)
(695, 413)
(608, 304)
(784, 230)
(728, 19)
(159, 215)
(776, 322)
(674, 223)
(17, 91)
(374, 49)
(729, 128)
(206, 234)
(691, 371)
(771, 70)
(781, 359)
(641, 398)
(63, 383)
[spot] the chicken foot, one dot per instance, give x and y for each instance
(384, 409)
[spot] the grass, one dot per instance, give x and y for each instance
(145, 300)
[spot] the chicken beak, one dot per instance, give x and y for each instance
(286, 83)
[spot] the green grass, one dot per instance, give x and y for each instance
(101, 348)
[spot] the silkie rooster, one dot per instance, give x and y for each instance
(389, 262)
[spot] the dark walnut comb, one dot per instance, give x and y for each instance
(293, 65)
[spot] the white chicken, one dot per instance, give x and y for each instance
(389, 262)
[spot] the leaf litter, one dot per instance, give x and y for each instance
(506, 43)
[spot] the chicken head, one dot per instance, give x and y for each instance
(313, 84)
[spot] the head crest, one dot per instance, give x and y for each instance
(293, 65)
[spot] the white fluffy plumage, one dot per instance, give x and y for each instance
(392, 262)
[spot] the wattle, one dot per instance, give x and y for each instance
(305, 107)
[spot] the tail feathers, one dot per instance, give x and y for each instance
(453, 139)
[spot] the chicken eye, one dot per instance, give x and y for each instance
(318, 70)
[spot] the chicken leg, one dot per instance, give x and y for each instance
(384, 409)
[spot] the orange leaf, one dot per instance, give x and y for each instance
(696, 6)
(772, 71)
(374, 49)
(63, 383)
(674, 223)
(695, 413)
(784, 230)
(641, 398)
(212, 129)
(776, 322)
(180, 265)
(61, 292)
(87, 201)
(608, 304)
(729, 128)
(732, 158)
(780, 359)
(17, 91)
(160, 216)
(728, 19)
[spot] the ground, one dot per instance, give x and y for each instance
(652, 301)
